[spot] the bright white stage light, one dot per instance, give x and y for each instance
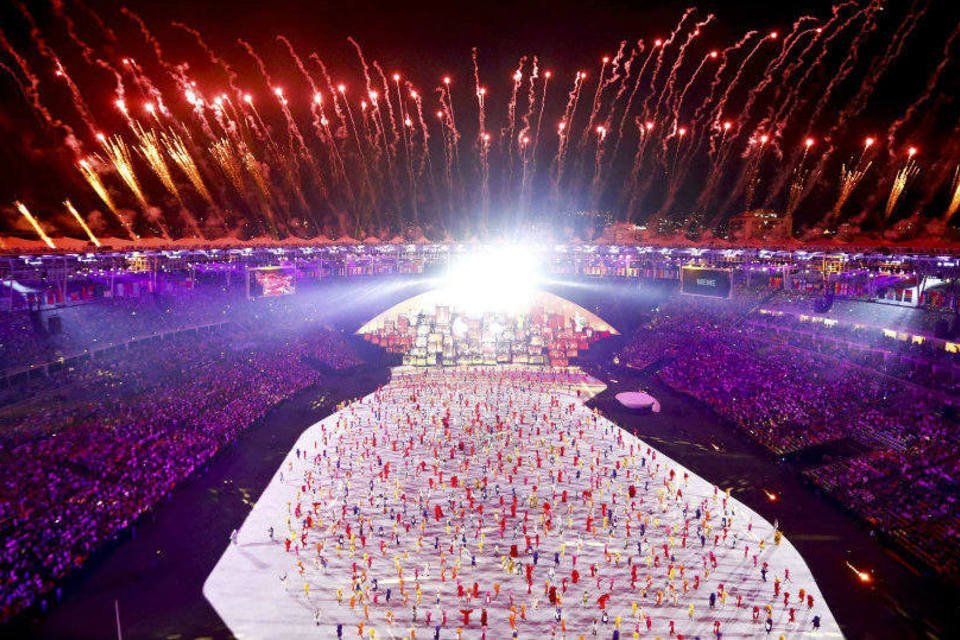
(494, 279)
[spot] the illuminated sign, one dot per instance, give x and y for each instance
(702, 281)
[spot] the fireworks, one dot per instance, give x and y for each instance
(849, 179)
(708, 127)
(178, 152)
(229, 162)
(118, 154)
(906, 173)
(36, 225)
(83, 225)
(150, 150)
(954, 204)
(90, 174)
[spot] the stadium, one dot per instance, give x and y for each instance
(313, 326)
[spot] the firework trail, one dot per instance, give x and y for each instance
(778, 120)
(364, 165)
(424, 159)
(59, 70)
(929, 90)
(30, 90)
(720, 150)
(526, 148)
(701, 128)
(594, 105)
(483, 140)
(624, 84)
(378, 134)
(232, 77)
(406, 135)
(849, 179)
(143, 82)
(677, 108)
(272, 88)
(343, 131)
(290, 170)
(749, 175)
(230, 163)
(395, 129)
(705, 124)
(633, 93)
(563, 129)
(178, 152)
(794, 100)
(877, 68)
(722, 102)
(255, 170)
(368, 81)
(107, 32)
(398, 132)
(33, 223)
(446, 129)
(455, 133)
(320, 123)
(771, 72)
(507, 140)
(452, 140)
(666, 96)
(89, 55)
(536, 134)
(846, 68)
(905, 174)
(83, 225)
(699, 121)
(617, 70)
(662, 47)
(848, 64)
(150, 39)
(954, 205)
(632, 194)
(749, 172)
(800, 178)
(151, 152)
(118, 154)
(96, 183)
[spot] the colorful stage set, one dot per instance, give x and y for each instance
(477, 496)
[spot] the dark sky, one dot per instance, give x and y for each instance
(423, 40)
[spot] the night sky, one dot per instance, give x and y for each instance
(422, 40)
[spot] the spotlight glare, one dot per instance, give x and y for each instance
(495, 279)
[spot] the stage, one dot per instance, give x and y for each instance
(586, 493)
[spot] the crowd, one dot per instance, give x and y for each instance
(792, 385)
(492, 503)
(88, 450)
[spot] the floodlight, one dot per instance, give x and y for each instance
(494, 279)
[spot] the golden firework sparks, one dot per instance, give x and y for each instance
(954, 205)
(255, 171)
(904, 175)
(33, 223)
(178, 152)
(83, 225)
(93, 178)
(119, 155)
(223, 152)
(150, 150)
(849, 179)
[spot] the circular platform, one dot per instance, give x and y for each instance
(638, 401)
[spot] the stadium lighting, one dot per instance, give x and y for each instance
(494, 279)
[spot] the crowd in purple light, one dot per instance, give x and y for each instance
(90, 449)
(794, 385)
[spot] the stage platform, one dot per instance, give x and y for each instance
(413, 486)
